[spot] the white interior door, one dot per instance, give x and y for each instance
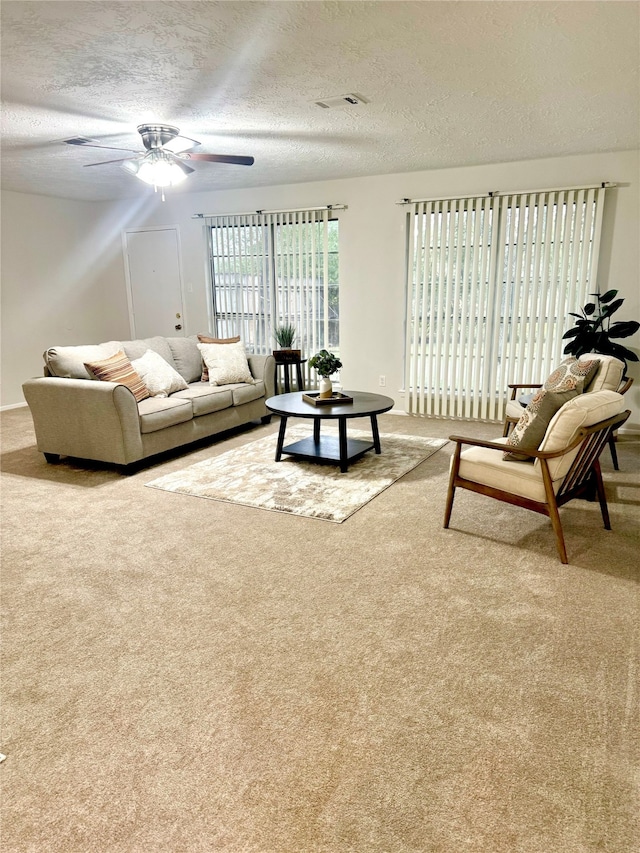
(154, 282)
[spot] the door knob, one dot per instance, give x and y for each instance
(178, 327)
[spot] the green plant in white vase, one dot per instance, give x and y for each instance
(325, 364)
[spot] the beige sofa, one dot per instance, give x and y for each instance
(76, 415)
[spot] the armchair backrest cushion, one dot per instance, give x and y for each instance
(609, 372)
(582, 411)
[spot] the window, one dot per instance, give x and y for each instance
(490, 283)
(273, 268)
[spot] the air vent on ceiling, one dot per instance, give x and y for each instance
(348, 100)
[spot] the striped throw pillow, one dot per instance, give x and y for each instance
(118, 369)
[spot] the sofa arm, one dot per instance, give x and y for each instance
(85, 418)
(264, 367)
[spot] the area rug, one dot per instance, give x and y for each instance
(249, 475)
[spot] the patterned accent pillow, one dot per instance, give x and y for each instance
(118, 369)
(227, 363)
(159, 377)
(572, 374)
(528, 433)
(205, 339)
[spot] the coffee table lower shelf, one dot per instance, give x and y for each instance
(327, 449)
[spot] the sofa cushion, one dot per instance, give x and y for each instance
(69, 362)
(137, 348)
(227, 363)
(118, 369)
(608, 375)
(528, 433)
(186, 357)
(159, 377)
(157, 413)
(206, 398)
(205, 339)
(247, 393)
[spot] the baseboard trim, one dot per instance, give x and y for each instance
(12, 406)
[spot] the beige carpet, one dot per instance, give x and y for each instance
(249, 475)
(196, 676)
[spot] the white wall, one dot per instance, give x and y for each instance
(62, 282)
(372, 246)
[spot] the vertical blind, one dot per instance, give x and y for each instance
(490, 282)
(272, 268)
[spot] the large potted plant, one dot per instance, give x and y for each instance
(594, 332)
(325, 364)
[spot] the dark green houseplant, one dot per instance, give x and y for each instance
(594, 331)
(325, 363)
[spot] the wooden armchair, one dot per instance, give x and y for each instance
(565, 466)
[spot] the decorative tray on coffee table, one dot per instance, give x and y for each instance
(315, 399)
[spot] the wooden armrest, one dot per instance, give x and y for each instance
(525, 385)
(478, 442)
(515, 386)
(614, 422)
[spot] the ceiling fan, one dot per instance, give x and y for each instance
(164, 161)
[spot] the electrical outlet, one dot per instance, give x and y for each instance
(383, 381)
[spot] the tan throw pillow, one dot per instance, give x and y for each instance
(118, 369)
(227, 363)
(528, 433)
(159, 377)
(572, 374)
(205, 339)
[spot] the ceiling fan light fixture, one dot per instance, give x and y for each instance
(159, 169)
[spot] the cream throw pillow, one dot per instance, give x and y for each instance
(159, 377)
(205, 339)
(226, 363)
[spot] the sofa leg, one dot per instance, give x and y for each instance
(265, 419)
(52, 458)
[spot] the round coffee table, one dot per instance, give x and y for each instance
(328, 448)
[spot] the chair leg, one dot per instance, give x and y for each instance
(554, 515)
(614, 452)
(602, 497)
(449, 506)
(452, 489)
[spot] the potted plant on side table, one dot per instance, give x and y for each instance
(325, 364)
(285, 334)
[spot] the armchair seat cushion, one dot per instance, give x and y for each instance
(485, 465)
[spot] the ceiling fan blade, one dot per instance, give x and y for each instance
(106, 162)
(179, 144)
(221, 158)
(89, 143)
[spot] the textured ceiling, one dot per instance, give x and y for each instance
(448, 84)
